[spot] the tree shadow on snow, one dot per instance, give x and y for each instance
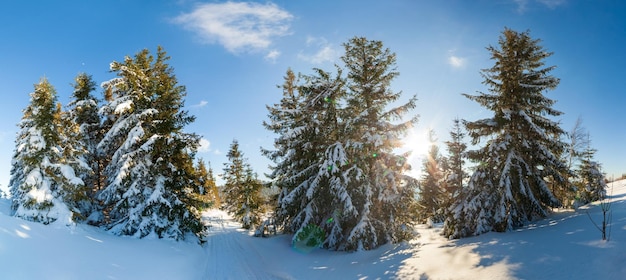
(562, 246)
(384, 262)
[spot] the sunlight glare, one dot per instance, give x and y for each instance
(417, 142)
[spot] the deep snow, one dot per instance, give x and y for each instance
(564, 246)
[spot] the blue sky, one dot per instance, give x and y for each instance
(231, 56)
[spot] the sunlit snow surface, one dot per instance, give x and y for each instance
(564, 246)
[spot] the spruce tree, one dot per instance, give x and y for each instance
(431, 187)
(509, 186)
(150, 177)
(209, 194)
(380, 191)
(300, 144)
(323, 200)
(242, 189)
(334, 158)
(575, 145)
(43, 184)
(592, 182)
(83, 112)
(455, 172)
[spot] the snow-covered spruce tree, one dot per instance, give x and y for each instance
(592, 182)
(150, 178)
(431, 187)
(381, 193)
(83, 112)
(575, 145)
(321, 200)
(297, 153)
(334, 160)
(209, 194)
(242, 190)
(455, 173)
(43, 184)
(509, 186)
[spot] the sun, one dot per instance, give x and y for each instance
(417, 143)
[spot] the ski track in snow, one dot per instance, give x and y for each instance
(232, 254)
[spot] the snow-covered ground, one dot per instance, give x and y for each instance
(564, 246)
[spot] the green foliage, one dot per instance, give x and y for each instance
(311, 236)
(208, 194)
(591, 185)
(522, 151)
(242, 190)
(431, 191)
(47, 155)
(335, 151)
(150, 176)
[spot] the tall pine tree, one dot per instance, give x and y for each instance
(43, 184)
(431, 187)
(575, 144)
(242, 189)
(592, 182)
(83, 112)
(380, 190)
(509, 186)
(292, 155)
(334, 160)
(209, 194)
(150, 186)
(455, 173)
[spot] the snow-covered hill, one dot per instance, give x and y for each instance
(565, 246)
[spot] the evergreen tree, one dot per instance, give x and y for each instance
(509, 186)
(291, 156)
(592, 182)
(431, 191)
(209, 194)
(334, 158)
(242, 190)
(322, 199)
(43, 182)
(379, 189)
(150, 187)
(83, 112)
(575, 145)
(455, 173)
(211, 188)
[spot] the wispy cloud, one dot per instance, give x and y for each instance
(272, 56)
(200, 104)
(522, 5)
(205, 146)
(456, 61)
(324, 51)
(238, 26)
(552, 3)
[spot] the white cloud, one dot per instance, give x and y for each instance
(205, 146)
(238, 26)
(324, 51)
(201, 104)
(521, 5)
(272, 55)
(456, 62)
(552, 3)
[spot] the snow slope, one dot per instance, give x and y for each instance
(564, 246)
(35, 251)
